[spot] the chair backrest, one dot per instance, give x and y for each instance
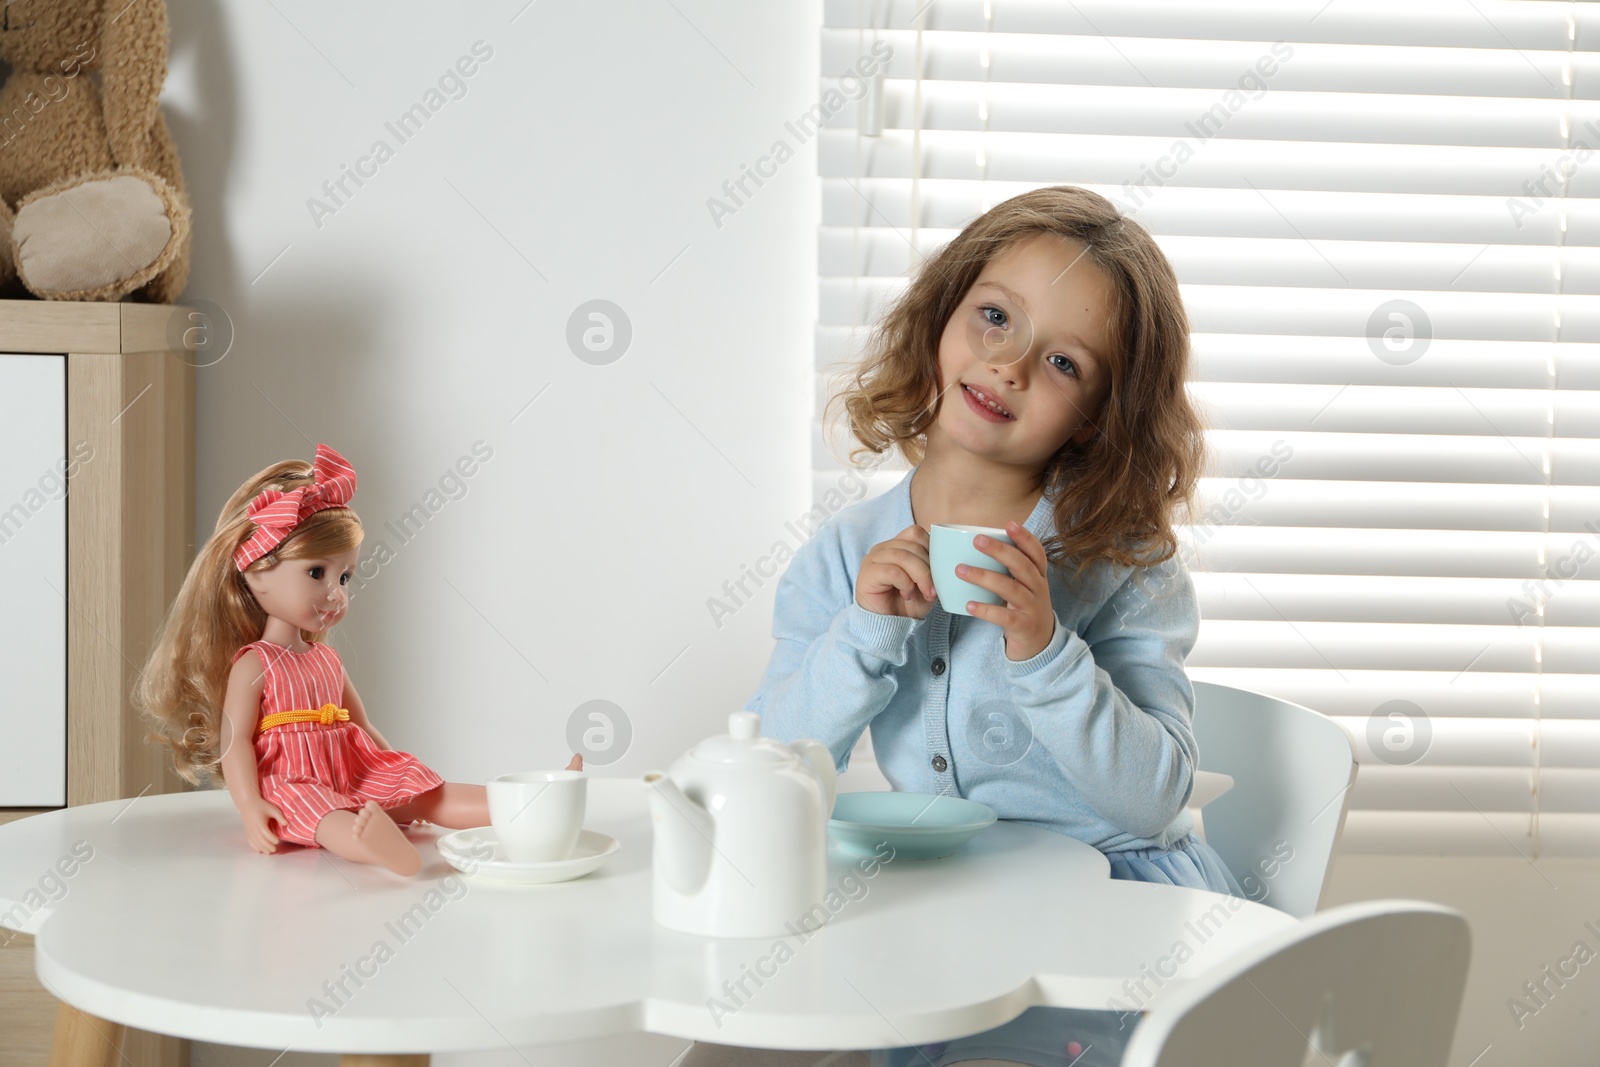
(1292, 771)
(1375, 984)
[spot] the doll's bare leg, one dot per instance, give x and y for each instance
(368, 836)
(453, 805)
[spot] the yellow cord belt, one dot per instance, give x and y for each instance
(327, 715)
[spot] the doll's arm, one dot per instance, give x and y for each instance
(241, 709)
(358, 712)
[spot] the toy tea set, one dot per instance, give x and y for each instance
(740, 824)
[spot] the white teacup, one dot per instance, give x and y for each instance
(537, 815)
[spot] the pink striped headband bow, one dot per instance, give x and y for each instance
(276, 513)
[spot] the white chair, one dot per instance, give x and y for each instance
(1375, 984)
(1292, 770)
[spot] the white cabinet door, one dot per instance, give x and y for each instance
(33, 580)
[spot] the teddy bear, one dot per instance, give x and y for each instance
(92, 200)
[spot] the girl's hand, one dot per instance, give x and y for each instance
(257, 830)
(896, 578)
(577, 762)
(1028, 619)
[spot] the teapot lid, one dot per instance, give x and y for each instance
(743, 743)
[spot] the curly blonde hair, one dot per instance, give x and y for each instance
(1116, 495)
(181, 689)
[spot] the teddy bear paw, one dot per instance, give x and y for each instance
(98, 235)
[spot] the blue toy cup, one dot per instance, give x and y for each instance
(950, 544)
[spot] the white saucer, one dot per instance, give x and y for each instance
(478, 852)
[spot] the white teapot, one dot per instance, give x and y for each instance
(741, 834)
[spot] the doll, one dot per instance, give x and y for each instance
(241, 682)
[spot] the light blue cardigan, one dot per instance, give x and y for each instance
(1090, 738)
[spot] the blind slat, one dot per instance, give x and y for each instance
(1427, 600)
(883, 204)
(1493, 25)
(1343, 166)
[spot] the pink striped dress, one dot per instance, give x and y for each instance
(308, 769)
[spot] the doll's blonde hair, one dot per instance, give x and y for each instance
(1115, 495)
(181, 689)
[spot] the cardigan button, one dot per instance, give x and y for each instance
(938, 665)
(940, 763)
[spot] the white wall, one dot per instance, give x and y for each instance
(1525, 914)
(414, 322)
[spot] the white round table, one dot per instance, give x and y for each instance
(174, 925)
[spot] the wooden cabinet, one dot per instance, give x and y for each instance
(103, 396)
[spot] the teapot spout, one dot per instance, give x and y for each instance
(683, 833)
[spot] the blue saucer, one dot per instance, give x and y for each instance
(918, 826)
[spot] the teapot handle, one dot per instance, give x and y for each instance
(820, 760)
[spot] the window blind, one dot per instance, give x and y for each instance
(1385, 219)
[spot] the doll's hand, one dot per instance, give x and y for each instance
(1028, 619)
(577, 762)
(895, 578)
(257, 830)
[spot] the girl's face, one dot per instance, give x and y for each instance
(1033, 335)
(311, 594)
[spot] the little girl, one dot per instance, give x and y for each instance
(1033, 374)
(242, 656)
